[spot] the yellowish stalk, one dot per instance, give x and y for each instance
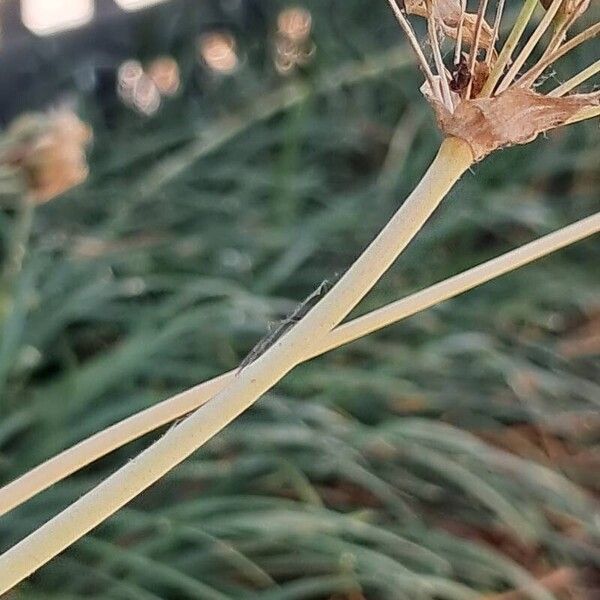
(509, 47)
(529, 78)
(490, 51)
(106, 441)
(414, 43)
(578, 79)
(534, 38)
(100, 444)
(475, 46)
(452, 160)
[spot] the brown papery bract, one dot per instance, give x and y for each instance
(517, 116)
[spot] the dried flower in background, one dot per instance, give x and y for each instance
(138, 89)
(293, 45)
(49, 151)
(164, 72)
(488, 102)
(218, 51)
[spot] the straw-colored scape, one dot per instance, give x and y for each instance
(119, 434)
(302, 342)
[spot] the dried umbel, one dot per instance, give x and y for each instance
(488, 96)
(49, 151)
(293, 46)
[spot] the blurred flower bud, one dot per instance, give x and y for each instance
(218, 51)
(49, 150)
(164, 72)
(292, 44)
(295, 23)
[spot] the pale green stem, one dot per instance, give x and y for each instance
(529, 78)
(509, 47)
(453, 159)
(67, 462)
(580, 78)
(534, 38)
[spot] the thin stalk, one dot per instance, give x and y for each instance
(587, 113)
(437, 56)
(562, 26)
(412, 40)
(578, 79)
(509, 47)
(497, 21)
(534, 38)
(87, 451)
(459, 32)
(303, 340)
(528, 78)
(475, 45)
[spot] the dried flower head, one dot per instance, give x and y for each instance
(164, 72)
(293, 45)
(49, 150)
(218, 50)
(488, 97)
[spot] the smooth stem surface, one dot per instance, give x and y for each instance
(453, 159)
(529, 78)
(103, 442)
(580, 78)
(509, 47)
(531, 43)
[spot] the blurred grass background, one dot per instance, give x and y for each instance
(451, 456)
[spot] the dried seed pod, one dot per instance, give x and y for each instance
(50, 152)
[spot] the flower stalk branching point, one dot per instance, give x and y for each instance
(489, 106)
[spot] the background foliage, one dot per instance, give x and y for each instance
(451, 456)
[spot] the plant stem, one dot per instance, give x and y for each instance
(67, 462)
(414, 43)
(475, 45)
(509, 46)
(531, 43)
(529, 78)
(578, 79)
(453, 159)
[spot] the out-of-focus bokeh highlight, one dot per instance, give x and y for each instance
(218, 51)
